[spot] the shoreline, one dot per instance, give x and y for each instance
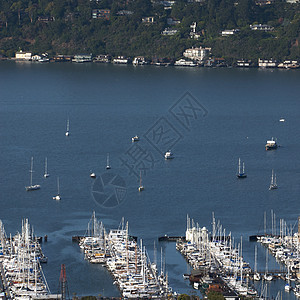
(282, 65)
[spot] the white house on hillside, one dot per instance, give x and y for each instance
(20, 55)
(197, 53)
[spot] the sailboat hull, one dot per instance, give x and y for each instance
(241, 175)
(273, 187)
(32, 187)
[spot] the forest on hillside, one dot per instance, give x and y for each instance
(67, 27)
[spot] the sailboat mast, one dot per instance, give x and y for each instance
(57, 185)
(31, 171)
(272, 179)
(46, 165)
(239, 165)
(255, 260)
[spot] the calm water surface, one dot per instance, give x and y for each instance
(107, 105)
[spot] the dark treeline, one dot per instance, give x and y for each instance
(71, 28)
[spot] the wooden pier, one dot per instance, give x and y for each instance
(167, 238)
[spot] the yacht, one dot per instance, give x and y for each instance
(107, 162)
(32, 187)
(273, 184)
(68, 128)
(185, 63)
(93, 175)
(241, 172)
(169, 155)
(271, 145)
(141, 187)
(46, 174)
(57, 197)
(135, 139)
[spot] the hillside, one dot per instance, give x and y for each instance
(134, 27)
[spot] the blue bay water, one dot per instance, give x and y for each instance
(107, 105)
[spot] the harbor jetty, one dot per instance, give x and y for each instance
(126, 259)
(21, 256)
(217, 262)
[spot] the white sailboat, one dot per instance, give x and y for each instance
(256, 275)
(107, 162)
(68, 128)
(57, 197)
(288, 287)
(267, 277)
(46, 174)
(141, 187)
(93, 174)
(32, 187)
(273, 184)
(241, 173)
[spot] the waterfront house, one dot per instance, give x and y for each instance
(36, 57)
(267, 63)
(81, 58)
(243, 63)
(102, 58)
(139, 60)
(120, 60)
(101, 14)
(20, 55)
(62, 58)
(289, 64)
(197, 53)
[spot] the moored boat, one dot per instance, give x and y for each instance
(271, 145)
(32, 187)
(169, 155)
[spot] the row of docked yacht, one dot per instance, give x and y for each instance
(128, 262)
(20, 265)
(216, 255)
(285, 248)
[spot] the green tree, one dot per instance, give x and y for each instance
(215, 296)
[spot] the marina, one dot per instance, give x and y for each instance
(128, 262)
(21, 257)
(285, 248)
(107, 107)
(215, 261)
